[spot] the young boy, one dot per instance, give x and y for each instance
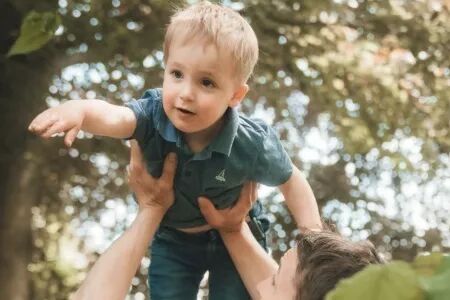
(209, 53)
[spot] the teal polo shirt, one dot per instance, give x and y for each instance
(245, 150)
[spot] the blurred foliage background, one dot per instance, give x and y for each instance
(357, 89)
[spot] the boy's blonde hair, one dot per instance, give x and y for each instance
(221, 25)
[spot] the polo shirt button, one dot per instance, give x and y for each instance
(187, 173)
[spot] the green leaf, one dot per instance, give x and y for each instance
(437, 286)
(426, 265)
(36, 30)
(445, 266)
(393, 281)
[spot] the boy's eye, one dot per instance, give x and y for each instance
(177, 74)
(208, 83)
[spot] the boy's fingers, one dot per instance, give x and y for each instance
(56, 127)
(170, 165)
(34, 124)
(39, 127)
(42, 122)
(70, 136)
(211, 214)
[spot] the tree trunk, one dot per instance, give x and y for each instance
(23, 84)
(15, 230)
(21, 92)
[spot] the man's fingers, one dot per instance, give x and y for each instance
(127, 170)
(211, 214)
(135, 153)
(137, 165)
(70, 136)
(169, 168)
(253, 186)
(246, 198)
(254, 194)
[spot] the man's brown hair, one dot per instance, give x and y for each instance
(326, 257)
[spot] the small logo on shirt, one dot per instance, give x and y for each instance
(221, 176)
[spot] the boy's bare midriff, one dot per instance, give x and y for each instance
(196, 229)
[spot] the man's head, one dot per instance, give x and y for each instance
(209, 53)
(326, 257)
(314, 267)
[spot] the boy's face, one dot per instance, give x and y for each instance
(199, 85)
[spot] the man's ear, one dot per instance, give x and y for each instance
(238, 95)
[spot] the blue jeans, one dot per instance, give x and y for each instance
(179, 260)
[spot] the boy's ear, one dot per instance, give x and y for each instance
(238, 95)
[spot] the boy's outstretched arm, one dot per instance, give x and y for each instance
(300, 201)
(94, 116)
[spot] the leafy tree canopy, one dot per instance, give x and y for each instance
(357, 89)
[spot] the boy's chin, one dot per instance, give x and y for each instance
(191, 130)
(187, 128)
(183, 128)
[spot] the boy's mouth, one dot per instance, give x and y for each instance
(185, 111)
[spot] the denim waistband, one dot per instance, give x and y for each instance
(204, 236)
(257, 227)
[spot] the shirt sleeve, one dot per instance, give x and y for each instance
(145, 110)
(272, 166)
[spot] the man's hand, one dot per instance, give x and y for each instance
(229, 219)
(150, 191)
(67, 117)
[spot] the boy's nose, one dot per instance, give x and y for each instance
(187, 92)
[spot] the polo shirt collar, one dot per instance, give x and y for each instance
(167, 130)
(221, 144)
(224, 141)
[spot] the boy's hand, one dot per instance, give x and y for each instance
(150, 191)
(67, 117)
(229, 219)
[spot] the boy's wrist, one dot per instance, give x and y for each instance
(82, 109)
